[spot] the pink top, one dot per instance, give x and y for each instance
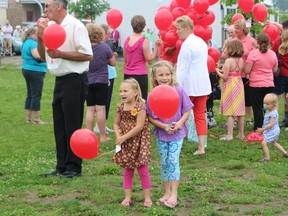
(135, 60)
(247, 43)
(261, 74)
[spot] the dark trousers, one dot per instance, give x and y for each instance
(68, 108)
(257, 96)
(143, 82)
(210, 100)
(34, 83)
(109, 96)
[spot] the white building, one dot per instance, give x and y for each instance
(148, 9)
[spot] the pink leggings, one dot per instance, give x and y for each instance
(144, 177)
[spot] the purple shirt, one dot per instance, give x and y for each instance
(98, 70)
(185, 105)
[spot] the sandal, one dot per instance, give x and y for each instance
(197, 154)
(28, 121)
(171, 203)
(225, 138)
(286, 155)
(249, 122)
(39, 122)
(240, 137)
(265, 160)
(148, 204)
(162, 200)
(126, 203)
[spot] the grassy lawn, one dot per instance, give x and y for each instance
(228, 180)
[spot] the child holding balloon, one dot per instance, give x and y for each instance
(169, 137)
(232, 101)
(133, 150)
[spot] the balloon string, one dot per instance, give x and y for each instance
(105, 153)
(52, 61)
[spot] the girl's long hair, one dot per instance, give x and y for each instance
(135, 85)
(163, 64)
(283, 49)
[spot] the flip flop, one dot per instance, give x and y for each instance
(148, 204)
(162, 200)
(39, 122)
(171, 203)
(126, 203)
(198, 154)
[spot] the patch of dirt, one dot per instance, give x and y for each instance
(11, 59)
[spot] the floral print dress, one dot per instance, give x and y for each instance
(136, 151)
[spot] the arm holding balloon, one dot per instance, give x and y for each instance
(72, 56)
(42, 24)
(159, 124)
(150, 57)
(184, 118)
(141, 115)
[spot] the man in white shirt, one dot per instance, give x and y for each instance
(7, 30)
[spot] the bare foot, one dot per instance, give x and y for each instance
(105, 139)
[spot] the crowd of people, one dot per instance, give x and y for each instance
(84, 70)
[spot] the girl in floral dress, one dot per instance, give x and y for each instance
(133, 136)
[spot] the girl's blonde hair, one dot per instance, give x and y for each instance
(163, 64)
(134, 85)
(28, 32)
(242, 25)
(271, 97)
(96, 32)
(283, 49)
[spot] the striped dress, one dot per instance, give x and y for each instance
(232, 101)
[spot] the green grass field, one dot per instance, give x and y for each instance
(228, 180)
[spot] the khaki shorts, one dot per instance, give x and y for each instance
(7, 42)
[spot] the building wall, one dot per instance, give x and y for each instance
(15, 14)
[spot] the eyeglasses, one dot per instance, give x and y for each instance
(47, 5)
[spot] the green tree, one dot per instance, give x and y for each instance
(281, 5)
(256, 27)
(88, 8)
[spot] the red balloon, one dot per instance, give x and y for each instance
(254, 137)
(178, 12)
(171, 37)
(272, 31)
(162, 34)
(164, 101)
(192, 15)
(114, 18)
(173, 4)
(54, 36)
(208, 18)
(183, 3)
(214, 53)
(164, 7)
(236, 17)
(198, 30)
(201, 6)
(207, 33)
(212, 2)
(84, 143)
(163, 19)
(260, 12)
(211, 64)
(179, 44)
(246, 5)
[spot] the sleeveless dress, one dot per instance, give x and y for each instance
(232, 101)
(136, 151)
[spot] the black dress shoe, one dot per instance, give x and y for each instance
(53, 173)
(70, 174)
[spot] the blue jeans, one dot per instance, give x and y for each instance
(34, 83)
(169, 153)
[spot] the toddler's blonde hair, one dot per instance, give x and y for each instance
(272, 98)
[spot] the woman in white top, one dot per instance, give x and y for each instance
(193, 76)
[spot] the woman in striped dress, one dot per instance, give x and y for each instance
(232, 102)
